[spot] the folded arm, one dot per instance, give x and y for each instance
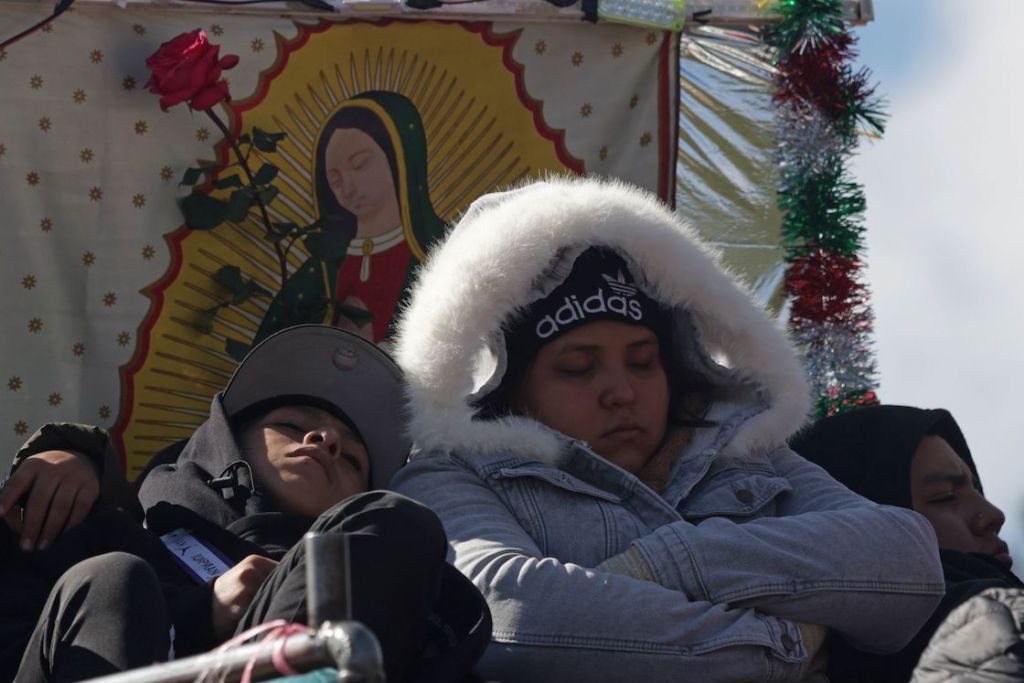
(830, 557)
(556, 620)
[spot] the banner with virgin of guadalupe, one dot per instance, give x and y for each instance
(367, 139)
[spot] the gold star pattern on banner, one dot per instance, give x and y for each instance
(128, 83)
(78, 96)
(603, 153)
(586, 110)
(651, 38)
(34, 325)
(617, 50)
(124, 339)
(633, 101)
(45, 124)
(96, 56)
(148, 252)
(95, 193)
(141, 127)
(202, 134)
(29, 281)
(166, 173)
(14, 383)
(645, 139)
(257, 45)
(104, 412)
(46, 225)
(577, 58)
(32, 178)
(78, 349)
(88, 258)
(86, 155)
(138, 200)
(48, 28)
(3, 54)
(216, 29)
(3, 149)
(139, 29)
(540, 47)
(55, 399)
(109, 299)
(36, 82)
(21, 428)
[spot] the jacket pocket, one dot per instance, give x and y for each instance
(568, 519)
(556, 478)
(737, 492)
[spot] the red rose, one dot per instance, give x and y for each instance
(187, 68)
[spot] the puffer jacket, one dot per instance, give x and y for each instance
(746, 540)
(981, 641)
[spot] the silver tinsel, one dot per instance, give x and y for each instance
(807, 141)
(838, 357)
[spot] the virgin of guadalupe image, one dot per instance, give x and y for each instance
(377, 220)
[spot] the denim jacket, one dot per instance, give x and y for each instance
(746, 541)
(741, 549)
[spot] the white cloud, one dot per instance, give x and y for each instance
(946, 242)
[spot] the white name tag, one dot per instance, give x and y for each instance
(204, 564)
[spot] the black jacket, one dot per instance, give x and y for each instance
(204, 485)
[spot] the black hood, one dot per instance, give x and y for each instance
(207, 486)
(869, 450)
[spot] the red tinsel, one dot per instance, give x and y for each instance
(822, 78)
(825, 287)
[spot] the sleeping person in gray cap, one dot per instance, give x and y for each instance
(310, 421)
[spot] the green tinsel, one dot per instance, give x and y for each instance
(805, 24)
(823, 210)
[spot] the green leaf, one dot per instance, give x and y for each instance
(202, 212)
(236, 349)
(230, 181)
(264, 141)
(205, 319)
(229, 277)
(238, 205)
(255, 289)
(192, 176)
(267, 194)
(266, 174)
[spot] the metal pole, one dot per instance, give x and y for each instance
(349, 647)
(328, 586)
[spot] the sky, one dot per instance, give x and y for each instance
(944, 238)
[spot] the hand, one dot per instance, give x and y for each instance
(366, 329)
(61, 487)
(813, 637)
(234, 590)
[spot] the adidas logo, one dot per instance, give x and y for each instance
(620, 301)
(619, 285)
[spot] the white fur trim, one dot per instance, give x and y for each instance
(486, 268)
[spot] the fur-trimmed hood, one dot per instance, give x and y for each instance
(500, 257)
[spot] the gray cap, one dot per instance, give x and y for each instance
(336, 367)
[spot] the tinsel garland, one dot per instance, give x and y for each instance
(822, 103)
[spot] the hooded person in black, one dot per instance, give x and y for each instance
(311, 417)
(917, 459)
